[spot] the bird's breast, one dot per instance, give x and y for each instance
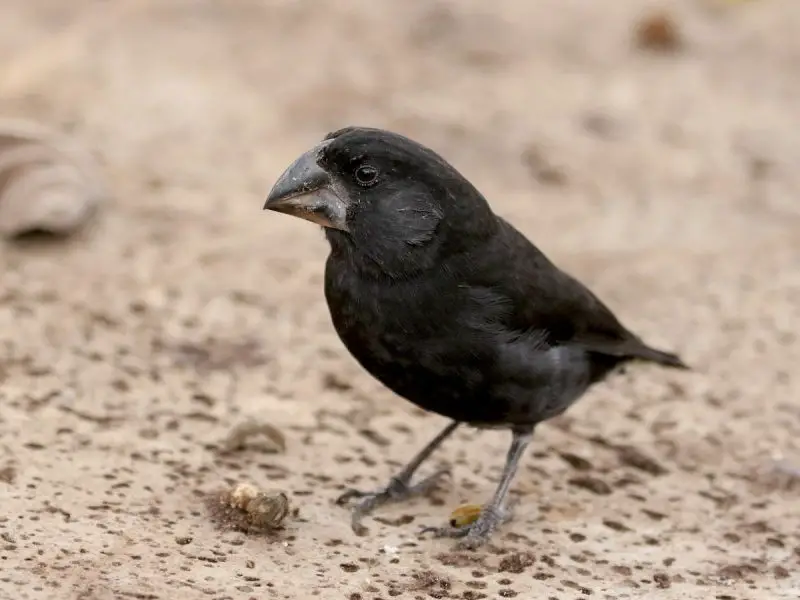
(408, 337)
(392, 322)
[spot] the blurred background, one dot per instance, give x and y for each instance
(648, 147)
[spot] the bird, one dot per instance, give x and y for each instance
(448, 305)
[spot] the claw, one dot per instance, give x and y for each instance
(397, 490)
(443, 532)
(349, 495)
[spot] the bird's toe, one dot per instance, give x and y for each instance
(351, 494)
(475, 534)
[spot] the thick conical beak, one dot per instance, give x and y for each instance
(305, 190)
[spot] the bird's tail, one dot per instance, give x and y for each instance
(634, 348)
(668, 359)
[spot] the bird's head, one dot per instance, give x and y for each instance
(383, 195)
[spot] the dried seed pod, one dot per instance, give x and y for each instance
(47, 183)
(239, 435)
(464, 515)
(246, 508)
(268, 511)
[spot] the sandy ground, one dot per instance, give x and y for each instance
(666, 181)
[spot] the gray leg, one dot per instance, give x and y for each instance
(496, 511)
(399, 487)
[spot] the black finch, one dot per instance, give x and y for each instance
(446, 303)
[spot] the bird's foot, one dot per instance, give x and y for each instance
(398, 490)
(473, 535)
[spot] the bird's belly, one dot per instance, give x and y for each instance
(433, 371)
(423, 371)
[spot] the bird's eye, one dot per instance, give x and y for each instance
(366, 175)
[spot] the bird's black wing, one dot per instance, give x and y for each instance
(545, 299)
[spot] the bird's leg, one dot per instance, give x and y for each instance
(497, 510)
(399, 487)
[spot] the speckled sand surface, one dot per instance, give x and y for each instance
(667, 182)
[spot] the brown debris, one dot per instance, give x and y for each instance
(517, 562)
(8, 474)
(541, 168)
(576, 462)
(658, 32)
(633, 457)
(429, 581)
(592, 484)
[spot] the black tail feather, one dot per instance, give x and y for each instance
(634, 348)
(660, 357)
